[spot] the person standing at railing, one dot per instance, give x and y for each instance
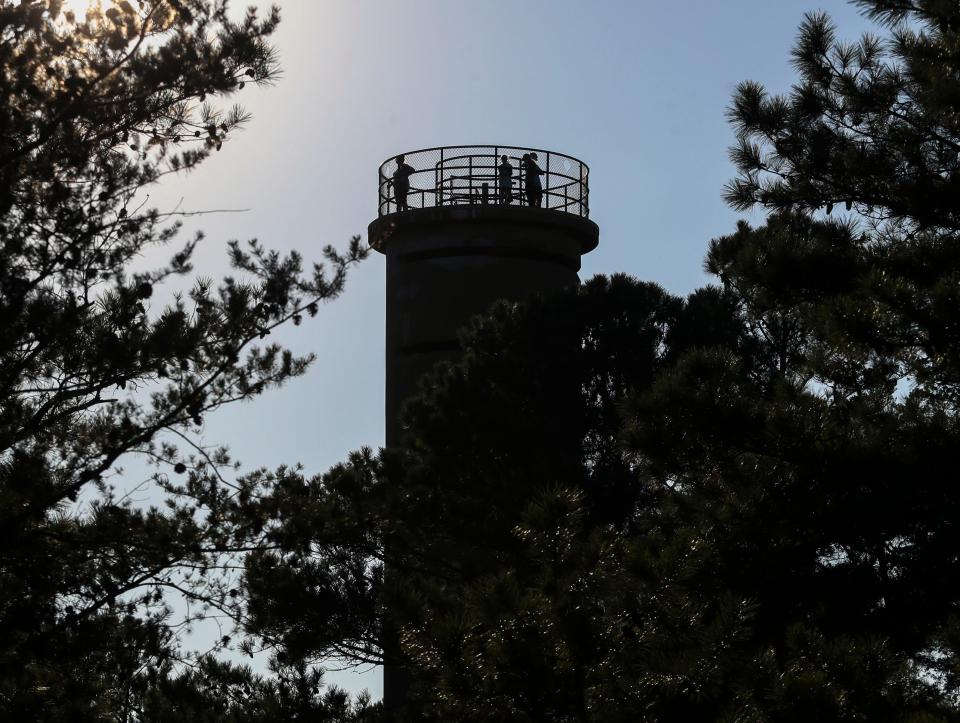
(505, 180)
(532, 173)
(401, 183)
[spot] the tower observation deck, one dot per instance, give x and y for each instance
(465, 241)
(469, 176)
(459, 234)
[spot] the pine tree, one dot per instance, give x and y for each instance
(871, 128)
(95, 110)
(825, 479)
(493, 521)
(620, 505)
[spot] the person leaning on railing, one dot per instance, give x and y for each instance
(532, 173)
(401, 183)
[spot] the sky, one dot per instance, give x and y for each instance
(634, 88)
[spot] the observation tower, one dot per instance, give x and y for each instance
(462, 243)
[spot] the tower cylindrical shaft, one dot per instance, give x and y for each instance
(460, 249)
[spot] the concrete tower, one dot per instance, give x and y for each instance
(460, 238)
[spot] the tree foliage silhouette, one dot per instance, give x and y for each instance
(622, 505)
(94, 111)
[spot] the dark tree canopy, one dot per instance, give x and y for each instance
(618, 505)
(624, 505)
(95, 110)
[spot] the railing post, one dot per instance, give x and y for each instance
(580, 187)
(586, 197)
(547, 194)
(496, 175)
(521, 182)
(389, 193)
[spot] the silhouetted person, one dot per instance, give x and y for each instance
(532, 173)
(505, 180)
(401, 183)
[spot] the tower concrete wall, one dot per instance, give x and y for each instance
(447, 264)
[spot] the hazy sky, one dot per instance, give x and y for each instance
(636, 89)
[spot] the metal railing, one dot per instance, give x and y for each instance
(468, 175)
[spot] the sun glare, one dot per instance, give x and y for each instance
(77, 7)
(80, 7)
